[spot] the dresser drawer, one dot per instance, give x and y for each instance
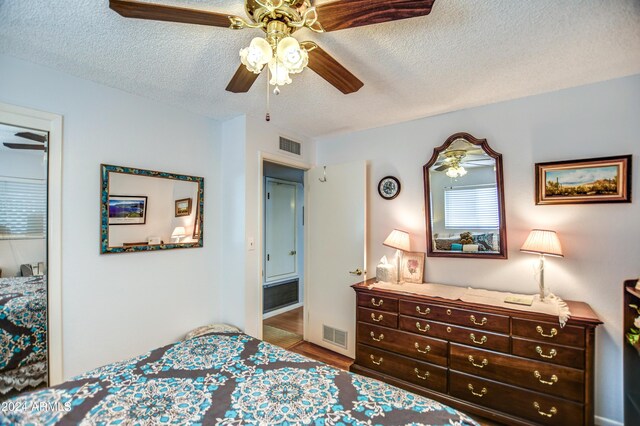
(534, 406)
(419, 373)
(557, 354)
(548, 332)
(540, 376)
(469, 336)
(374, 316)
(475, 319)
(422, 348)
(371, 301)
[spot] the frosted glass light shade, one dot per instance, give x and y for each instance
(291, 55)
(542, 241)
(454, 172)
(398, 240)
(279, 74)
(256, 55)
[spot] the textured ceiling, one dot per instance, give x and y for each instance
(465, 53)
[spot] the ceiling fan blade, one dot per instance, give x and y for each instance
(24, 146)
(328, 68)
(242, 80)
(158, 12)
(442, 167)
(32, 136)
(341, 14)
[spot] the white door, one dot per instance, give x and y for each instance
(336, 211)
(280, 230)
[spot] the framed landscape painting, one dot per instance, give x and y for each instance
(593, 180)
(127, 210)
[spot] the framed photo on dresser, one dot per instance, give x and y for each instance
(413, 267)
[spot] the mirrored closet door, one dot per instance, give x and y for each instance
(23, 260)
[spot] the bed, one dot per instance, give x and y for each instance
(23, 333)
(225, 378)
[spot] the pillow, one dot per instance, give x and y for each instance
(445, 243)
(484, 242)
(211, 328)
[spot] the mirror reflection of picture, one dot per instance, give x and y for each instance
(127, 210)
(183, 207)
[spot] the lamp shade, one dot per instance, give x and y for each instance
(542, 241)
(291, 55)
(179, 232)
(398, 240)
(256, 55)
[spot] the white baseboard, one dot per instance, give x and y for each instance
(603, 421)
(281, 310)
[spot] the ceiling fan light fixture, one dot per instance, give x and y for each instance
(279, 73)
(256, 55)
(455, 172)
(292, 56)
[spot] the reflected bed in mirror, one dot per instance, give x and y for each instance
(464, 200)
(139, 210)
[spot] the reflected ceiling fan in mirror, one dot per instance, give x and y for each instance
(459, 154)
(41, 139)
(278, 51)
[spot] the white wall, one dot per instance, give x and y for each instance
(601, 241)
(15, 252)
(244, 140)
(120, 305)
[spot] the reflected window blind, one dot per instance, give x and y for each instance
(23, 208)
(471, 207)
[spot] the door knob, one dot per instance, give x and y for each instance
(292, 253)
(357, 272)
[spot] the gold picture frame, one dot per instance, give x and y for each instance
(592, 180)
(183, 207)
(412, 268)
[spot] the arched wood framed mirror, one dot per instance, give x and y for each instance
(464, 200)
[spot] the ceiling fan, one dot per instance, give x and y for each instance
(278, 51)
(41, 139)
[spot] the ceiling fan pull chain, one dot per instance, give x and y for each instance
(268, 116)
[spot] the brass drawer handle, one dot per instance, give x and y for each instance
(482, 341)
(551, 412)
(373, 317)
(377, 339)
(425, 329)
(550, 335)
(373, 302)
(552, 353)
(425, 377)
(426, 350)
(483, 364)
(480, 394)
(553, 379)
(373, 359)
(425, 312)
(483, 321)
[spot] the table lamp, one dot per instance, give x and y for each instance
(544, 243)
(178, 233)
(398, 240)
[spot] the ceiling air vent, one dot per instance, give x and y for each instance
(335, 336)
(289, 146)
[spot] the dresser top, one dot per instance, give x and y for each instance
(581, 312)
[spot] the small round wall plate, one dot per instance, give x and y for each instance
(389, 187)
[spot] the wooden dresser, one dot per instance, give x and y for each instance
(507, 365)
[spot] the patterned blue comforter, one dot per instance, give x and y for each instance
(224, 379)
(23, 332)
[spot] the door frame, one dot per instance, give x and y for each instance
(295, 164)
(52, 123)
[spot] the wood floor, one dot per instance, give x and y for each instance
(292, 322)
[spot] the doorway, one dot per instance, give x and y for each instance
(283, 255)
(23, 260)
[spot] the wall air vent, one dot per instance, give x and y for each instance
(290, 146)
(335, 336)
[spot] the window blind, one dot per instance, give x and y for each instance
(23, 208)
(471, 207)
